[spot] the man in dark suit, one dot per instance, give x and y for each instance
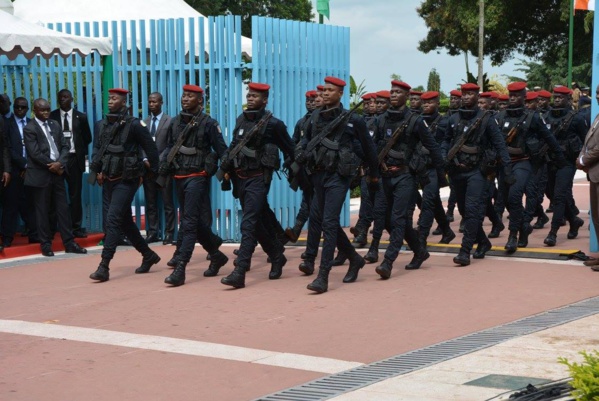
(17, 199)
(47, 153)
(76, 131)
(158, 124)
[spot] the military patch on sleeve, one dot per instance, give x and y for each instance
(143, 124)
(218, 128)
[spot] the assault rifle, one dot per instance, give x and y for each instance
(170, 158)
(106, 139)
(514, 130)
(391, 142)
(241, 144)
(462, 140)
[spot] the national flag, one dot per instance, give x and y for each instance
(322, 7)
(584, 5)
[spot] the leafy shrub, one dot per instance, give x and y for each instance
(585, 376)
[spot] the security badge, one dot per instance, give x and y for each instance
(240, 133)
(371, 133)
(389, 132)
(67, 134)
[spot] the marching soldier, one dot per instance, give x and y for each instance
(472, 143)
(194, 145)
(117, 166)
(250, 161)
(415, 101)
(397, 136)
(531, 101)
(328, 152)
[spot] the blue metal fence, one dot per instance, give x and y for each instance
(163, 55)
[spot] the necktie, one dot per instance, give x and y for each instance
(153, 128)
(65, 124)
(23, 123)
(53, 148)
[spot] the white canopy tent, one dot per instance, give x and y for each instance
(18, 37)
(63, 11)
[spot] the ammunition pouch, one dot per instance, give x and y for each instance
(270, 158)
(247, 159)
(571, 147)
(211, 164)
(469, 157)
(535, 150)
(348, 163)
(132, 167)
(112, 165)
(396, 157)
(189, 160)
(488, 165)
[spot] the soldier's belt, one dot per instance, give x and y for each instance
(396, 154)
(394, 171)
(515, 151)
(471, 150)
(327, 143)
(244, 174)
(188, 151)
(248, 152)
(115, 148)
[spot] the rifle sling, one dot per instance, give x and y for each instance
(408, 123)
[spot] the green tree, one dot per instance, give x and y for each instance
(538, 30)
(300, 10)
(434, 81)
(356, 91)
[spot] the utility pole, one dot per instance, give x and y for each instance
(481, 37)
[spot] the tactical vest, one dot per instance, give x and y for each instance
(401, 152)
(119, 160)
(560, 123)
(424, 152)
(195, 154)
(471, 154)
(508, 120)
(258, 153)
(334, 153)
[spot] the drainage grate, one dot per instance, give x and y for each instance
(331, 386)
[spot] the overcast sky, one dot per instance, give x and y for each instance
(384, 36)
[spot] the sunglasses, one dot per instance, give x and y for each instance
(21, 107)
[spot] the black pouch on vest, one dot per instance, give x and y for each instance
(574, 146)
(270, 158)
(348, 163)
(132, 167)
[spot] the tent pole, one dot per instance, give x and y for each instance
(107, 80)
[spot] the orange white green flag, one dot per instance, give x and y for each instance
(584, 5)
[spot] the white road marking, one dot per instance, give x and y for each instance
(177, 346)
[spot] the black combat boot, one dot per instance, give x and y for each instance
(149, 260)
(339, 259)
(217, 260)
(512, 242)
(101, 274)
(418, 259)
(174, 259)
(449, 216)
(303, 256)
(462, 223)
(360, 239)
(481, 250)
(448, 236)
(373, 252)
(575, 224)
(321, 283)
(496, 229)
(551, 238)
(236, 278)
(356, 262)
(462, 259)
(177, 277)
(384, 269)
(437, 231)
(525, 231)
(541, 221)
(276, 268)
(307, 267)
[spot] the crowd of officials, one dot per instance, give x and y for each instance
(495, 152)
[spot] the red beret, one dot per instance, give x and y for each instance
(258, 87)
(531, 95)
(118, 91)
(368, 96)
(455, 92)
(335, 81)
(320, 88)
(384, 94)
(544, 93)
(470, 87)
(485, 94)
(503, 97)
(416, 93)
(563, 90)
(311, 93)
(516, 86)
(495, 95)
(401, 84)
(192, 88)
(430, 95)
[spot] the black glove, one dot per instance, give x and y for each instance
(164, 168)
(225, 164)
(300, 156)
(225, 185)
(96, 167)
(373, 186)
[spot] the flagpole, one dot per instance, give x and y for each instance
(571, 44)
(320, 19)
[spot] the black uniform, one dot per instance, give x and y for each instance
(483, 145)
(122, 168)
(400, 180)
(251, 174)
(196, 161)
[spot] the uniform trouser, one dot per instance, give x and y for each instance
(522, 171)
(169, 208)
(272, 225)
(559, 184)
(253, 194)
(304, 211)
(151, 191)
(451, 202)
(206, 209)
(330, 190)
(400, 192)
(432, 207)
(472, 191)
(489, 209)
(379, 213)
(116, 201)
(501, 194)
(193, 227)
(366, 213)
(534, 194)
